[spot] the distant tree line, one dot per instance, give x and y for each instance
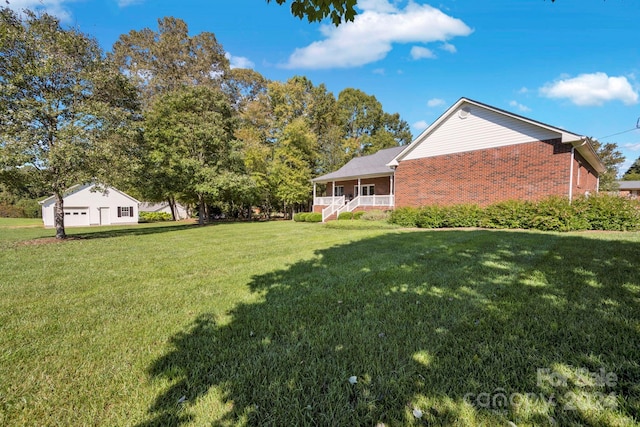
(164, 117)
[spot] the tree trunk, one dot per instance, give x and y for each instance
(59, 216)
(201, 210)
(172, 206)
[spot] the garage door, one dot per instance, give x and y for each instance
(76, 217)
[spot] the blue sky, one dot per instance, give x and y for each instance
(574, 64)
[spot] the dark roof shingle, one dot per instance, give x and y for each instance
(373, 164)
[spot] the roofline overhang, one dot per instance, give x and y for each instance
(73, 187)
(582, 144)
(320, 180)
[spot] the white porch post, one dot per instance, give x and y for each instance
(392, 185)
(314, 193)
(359, 189)
(333, 191)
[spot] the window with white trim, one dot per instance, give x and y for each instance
(367, 190)
(125, 211)
(339, 190)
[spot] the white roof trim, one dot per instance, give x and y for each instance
(90, 184)
(578, 141)
(566, 137)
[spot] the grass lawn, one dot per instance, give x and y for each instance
(20, 222)
(265, 324)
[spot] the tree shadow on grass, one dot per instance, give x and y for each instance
(135, 230)
(469, 327)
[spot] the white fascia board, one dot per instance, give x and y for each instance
(566, 137)
(353, 177)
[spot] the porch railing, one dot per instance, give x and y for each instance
(337, 205)
(382, 201)
(327, 200)
(354, 203)
(334, 203)
(387, 200)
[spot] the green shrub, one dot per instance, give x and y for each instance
(404, 217)
(609, 212)
(313, 217)
(556, 213)
(359, 214)
(461, 216)
(430, 217)
(507, 214)
(154, 216)
(374, 215)
(345, 215)
(301, 217)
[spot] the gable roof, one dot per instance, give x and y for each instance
(528, 130)
(366, 166)
(79, 187)
(628, 185)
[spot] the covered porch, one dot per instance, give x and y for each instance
(364, 183)
(349, 195)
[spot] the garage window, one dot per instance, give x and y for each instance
(125, 211)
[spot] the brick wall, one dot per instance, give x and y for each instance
(382, 185)
(525, 171)
(585, 178)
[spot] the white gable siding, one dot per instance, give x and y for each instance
(85, 207)
(480, 129)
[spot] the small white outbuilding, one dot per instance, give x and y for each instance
(84, 205)
(163, 207)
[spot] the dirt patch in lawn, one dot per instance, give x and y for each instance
(47, 241)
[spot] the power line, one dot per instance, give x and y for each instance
(619, 133)
(624, 131)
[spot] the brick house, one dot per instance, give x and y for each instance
(630, 189)
(473, 153)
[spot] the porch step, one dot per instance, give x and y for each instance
(331, 217)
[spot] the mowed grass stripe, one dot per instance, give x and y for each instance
(263, 324)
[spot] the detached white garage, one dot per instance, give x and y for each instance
(85, 206)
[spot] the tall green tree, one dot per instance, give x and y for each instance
(244, 86)
(611, 158)
(163, 61)
(633, 173)
(64, 109)
(190, 137)
(290, 171)
(367, 128)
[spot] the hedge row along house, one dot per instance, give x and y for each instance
(473, 153)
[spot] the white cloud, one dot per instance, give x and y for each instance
(448, 47)
(520, 107)
(125, 3)
(419, 52)
(370, 37)
(523, 90)
(592, 89)
(435, 102)
(379, 71)
(633, 147)
(420, 125)
(52, 7)
(238, 61)
(382, 6)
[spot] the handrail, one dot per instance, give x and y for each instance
(335, 205)
(339, 205)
